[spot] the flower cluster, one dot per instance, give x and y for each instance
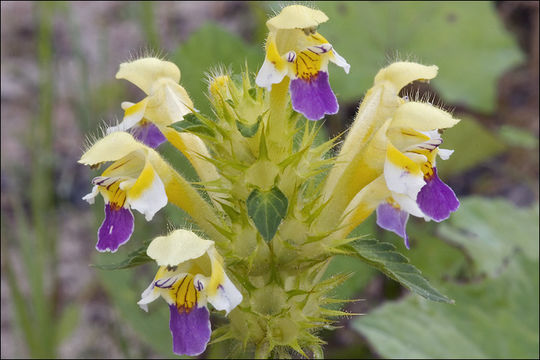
(394, 170)
(273, 226)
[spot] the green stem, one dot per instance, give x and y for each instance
(278, 123)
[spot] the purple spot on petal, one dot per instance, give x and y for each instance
(165, 284)
(392, 219)
(190, 330)
(314, 97)
(436, 199)
(291, 56)
(148, 134)
(199, 285)
(116, 228)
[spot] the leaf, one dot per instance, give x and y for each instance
(210, 47)
(490, 230)
(497, 318)
(383, 257)
(135, 258)
(473, 145)
(267, 209)
(437, 259)
(467, 40)
(362, 273)
(248, 130)
(191, 123)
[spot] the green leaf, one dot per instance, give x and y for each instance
(267, 209)
(191, 123)
(135, 258)
(473, 144)
(467, 40)
(248, 130)
(491, 230)
(210, 47)
(437, 259)
(383, 257)
(497, 318)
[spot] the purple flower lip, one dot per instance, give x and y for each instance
(148, 134)
(436, 199)
(313, 97)
(190, 330)
(393, 219)
(116, 228)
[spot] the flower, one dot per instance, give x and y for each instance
(394, 170)
(411, 176)
(190, 274)
(166, 103)
(131, 181)
(295, 49)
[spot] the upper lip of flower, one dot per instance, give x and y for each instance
(166, 101)
(297, 17)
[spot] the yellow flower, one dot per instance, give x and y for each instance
(139, 179)
(389, 151)
(295, 49)
(166, 102)
(131, 181)
(190, 274)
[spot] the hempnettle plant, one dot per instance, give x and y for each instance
(271, 208)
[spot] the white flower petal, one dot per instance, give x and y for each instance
(126, 104)
(177, 102)
(445, 153)
(400, 180)
(132, 116)
(340, 61)
(148, 295)
(90, 197)
(227, 296)
(433, 134)
(221, 292)
(268, 75)
(148, 194)
(407, 204)
(321, 48)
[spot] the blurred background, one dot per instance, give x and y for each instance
(58, 88)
